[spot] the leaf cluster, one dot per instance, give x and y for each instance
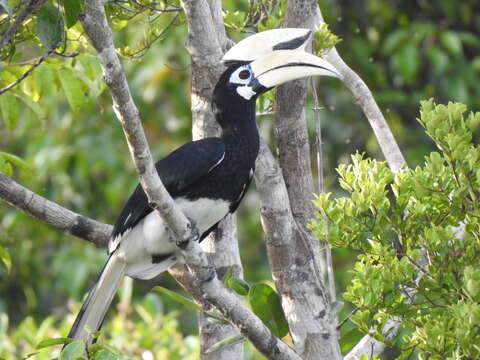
(418, 233)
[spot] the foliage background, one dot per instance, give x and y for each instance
(60, 122)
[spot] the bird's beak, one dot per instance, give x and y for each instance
(279, 67)
(263, 43)
(278, 56)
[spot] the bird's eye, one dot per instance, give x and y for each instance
(244, 74)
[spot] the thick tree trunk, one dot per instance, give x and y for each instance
(222, 246)
(296, 267)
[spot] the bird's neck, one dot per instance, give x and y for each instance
(239, 129)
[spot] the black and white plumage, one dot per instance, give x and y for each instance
(206, 178)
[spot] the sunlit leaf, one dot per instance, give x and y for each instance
(451, 42)
(32, 105)
(52, 342)
(72, 87)
(10, 109)
(6, 258)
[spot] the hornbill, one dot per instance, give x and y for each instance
(207, 178)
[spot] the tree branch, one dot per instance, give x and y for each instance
(29, 8)
(292, 264)
(53, 214)
(365, 99)
(287, 208)
(222, 245)
(395, 160)
(96, 27)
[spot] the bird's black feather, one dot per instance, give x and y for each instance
(178, 170)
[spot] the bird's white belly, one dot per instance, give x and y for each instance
(152, 237)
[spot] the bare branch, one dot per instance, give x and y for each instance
(293, 252)
(29, 8)
(96, 27)
(365, 99)
(305, 303)
(95, 24)
(52, 213)
(222, 246)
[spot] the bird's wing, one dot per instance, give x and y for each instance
(180, 169)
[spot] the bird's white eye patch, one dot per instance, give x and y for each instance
(241, 76)
(240, 79)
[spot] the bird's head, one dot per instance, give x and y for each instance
(271, 58)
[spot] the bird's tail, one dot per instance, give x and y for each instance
(92, 313)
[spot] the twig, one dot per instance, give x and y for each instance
(364, 97)
(31, 6)
(318, 142)
(306, 301)
(28, 72)
(138, 54)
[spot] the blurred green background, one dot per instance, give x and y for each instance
(405, 51)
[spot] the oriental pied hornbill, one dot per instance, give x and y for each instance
(206, 178)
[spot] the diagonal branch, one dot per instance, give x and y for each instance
(53, 214)
(222, 245)
(287, 194)
(96, 27)
(365, 99)
(395, 160)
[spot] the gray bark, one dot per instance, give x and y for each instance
(53, 214)
(298, 279)
(97, 29)
(205, 25)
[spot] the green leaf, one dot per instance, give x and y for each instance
(72, 8)
(50, 26)
(451, 42)
(177, 297)
(234, 20)
(227, 276)
(36, 109)
(325, 39)
(266, 305)
(393, 41)
(45, 80)
(10, 109)
(231, 340)
(73, 89)
(350, 339)
(51, 342)
(240, 286)
(5, 167)
(439, 59)
(6, 258)
(22, 164)
(74, 351)
(407, 61)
